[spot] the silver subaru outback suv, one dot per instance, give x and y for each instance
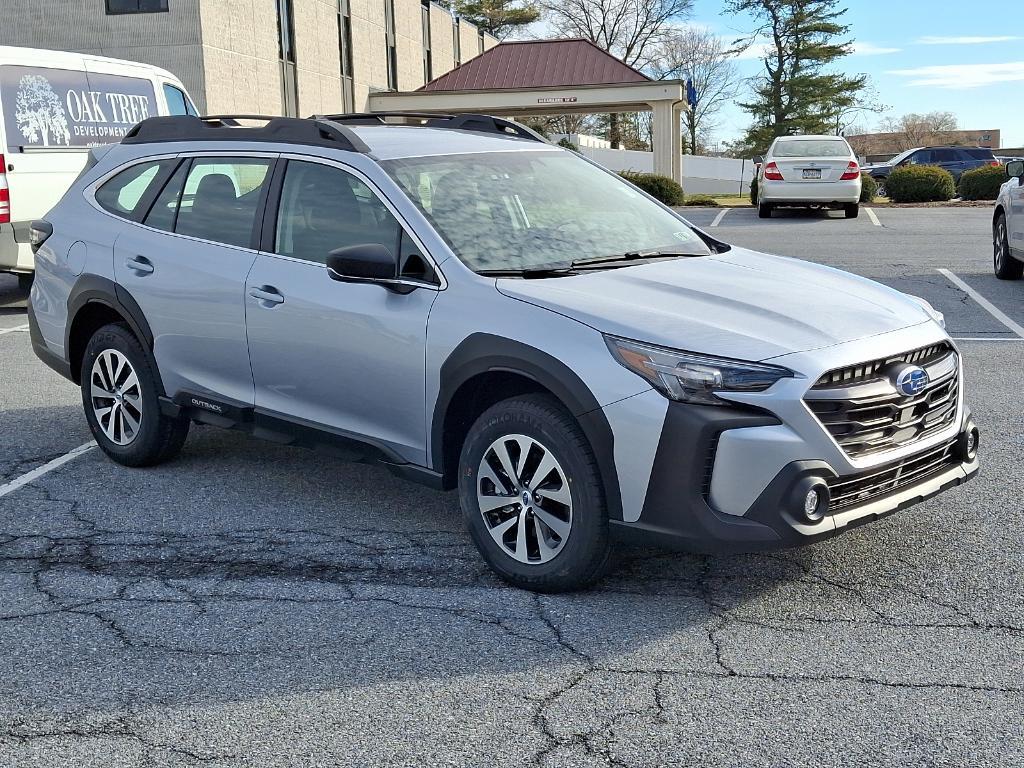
(473, 308)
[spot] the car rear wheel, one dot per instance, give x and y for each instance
(25, 281)
(880, 189)
(1006, 267)
(532, 496)
(120, 393)
(852, 210)
(764, 210)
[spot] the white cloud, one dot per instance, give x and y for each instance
(965, 39)
(870, 49)
(963, 75)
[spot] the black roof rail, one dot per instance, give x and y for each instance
(288, 130)
(466, 122)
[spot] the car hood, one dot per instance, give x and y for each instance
(740, 304)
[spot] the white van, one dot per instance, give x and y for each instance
(54, 106)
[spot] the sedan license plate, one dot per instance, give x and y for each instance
(812, 173)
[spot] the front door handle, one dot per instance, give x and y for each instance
(267, 295)
(140, 265)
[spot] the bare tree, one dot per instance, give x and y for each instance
(915, 130)
(632, 30)
(697, 54)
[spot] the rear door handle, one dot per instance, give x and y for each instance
(267, 295)
(139, 264)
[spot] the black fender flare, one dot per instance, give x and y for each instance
(483, 353)
(94, 289)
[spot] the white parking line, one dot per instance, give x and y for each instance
(720, 216)
(871, 215)
(13, 330)
(49, 466)
(986, 338)
(985, 303)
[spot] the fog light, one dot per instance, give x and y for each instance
(968, 443)
(809, 499)
(811, 503)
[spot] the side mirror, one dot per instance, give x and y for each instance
(1015, 169)
(758, 159)
(366, 263)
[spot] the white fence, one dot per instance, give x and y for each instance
(701, 175)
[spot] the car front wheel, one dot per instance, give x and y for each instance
(532, 496)
(120, 393)
(1006, 267)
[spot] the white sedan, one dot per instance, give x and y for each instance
(809, 171)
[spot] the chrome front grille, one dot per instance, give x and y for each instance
(857, 489)
(862, 410)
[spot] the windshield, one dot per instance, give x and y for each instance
(901, 157)
(517, 210)
(812, 148)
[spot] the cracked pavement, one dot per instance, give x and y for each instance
(250, 604)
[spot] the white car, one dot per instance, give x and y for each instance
(809, 171)
(1008, 225)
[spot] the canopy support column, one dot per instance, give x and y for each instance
(668, 139)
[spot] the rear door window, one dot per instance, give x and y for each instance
(944, 156)
(165, 209)
(123, 195)
(220, 199)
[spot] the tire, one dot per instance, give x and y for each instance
(852, 210)
(1006, 267)
(113, 351)
(559, 540)
(764, 211)
(25, 281)
(880, 190)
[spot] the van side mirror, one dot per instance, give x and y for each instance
(365, 263)
(1015, 169)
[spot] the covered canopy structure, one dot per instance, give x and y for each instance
(544, 77)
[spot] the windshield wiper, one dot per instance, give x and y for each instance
(630, 256)
(529, 272)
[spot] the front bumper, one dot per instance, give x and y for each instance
(678, 512)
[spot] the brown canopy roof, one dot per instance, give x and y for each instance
(537, 64)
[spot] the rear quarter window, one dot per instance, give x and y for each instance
(980, 154)
(123, 194)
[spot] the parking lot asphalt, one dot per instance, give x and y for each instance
(249, 604)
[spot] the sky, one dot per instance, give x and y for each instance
(921, 55)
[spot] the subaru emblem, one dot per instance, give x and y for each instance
(911, 380)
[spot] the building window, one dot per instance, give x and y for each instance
(389, 39)
(457, 41)
(117, 7)
(348, 99)
(286, 53)
(428, 63)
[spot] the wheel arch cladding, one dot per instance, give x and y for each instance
(485, 369)
(96, 301)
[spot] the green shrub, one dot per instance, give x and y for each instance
(753, 191)
(659, 187)
(920, 184)
(869, 188)
(564, 142)
(703, 200)
(982, 183)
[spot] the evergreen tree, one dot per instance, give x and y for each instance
(795, 94)
(498, 17)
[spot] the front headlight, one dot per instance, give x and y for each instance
(692, 378)
(935, 315)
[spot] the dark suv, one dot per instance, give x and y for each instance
(956, 160)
